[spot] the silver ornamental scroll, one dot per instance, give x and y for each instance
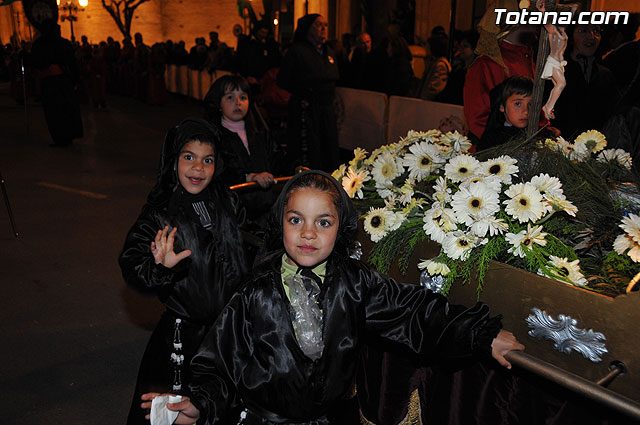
(566, 335)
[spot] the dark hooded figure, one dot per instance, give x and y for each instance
(286, 347)
(54, 58)
(309, 72)
(191, 210)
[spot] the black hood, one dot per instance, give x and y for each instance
(348, 220)
(304, 24)
(178, 136)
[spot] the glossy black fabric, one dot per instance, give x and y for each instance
(198, 287)
(251, 357)
(310, 76)
(238, 163)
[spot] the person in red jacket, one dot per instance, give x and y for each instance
(503, 51)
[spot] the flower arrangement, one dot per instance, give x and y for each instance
(428, 186)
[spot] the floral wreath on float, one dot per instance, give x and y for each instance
(550, 206)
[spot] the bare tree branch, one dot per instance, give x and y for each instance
(122, 17)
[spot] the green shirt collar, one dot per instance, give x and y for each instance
(288, 269)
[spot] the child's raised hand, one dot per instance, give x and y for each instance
(188, 413)
(162, 248)
(264, 179)
(502, 344)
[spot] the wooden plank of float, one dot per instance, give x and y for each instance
(575, 383)
(514, 292)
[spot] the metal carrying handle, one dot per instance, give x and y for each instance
(579, 384)
(248, 186)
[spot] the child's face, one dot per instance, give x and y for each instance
(235, 104)
(310, 226)
(196, 166)
(516, 110)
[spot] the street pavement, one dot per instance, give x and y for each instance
(72, 332)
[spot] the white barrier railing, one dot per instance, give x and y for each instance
(368, 119)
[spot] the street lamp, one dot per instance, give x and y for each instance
(70, 10)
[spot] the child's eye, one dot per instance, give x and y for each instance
(324, 223)
(244, 97)
(518, 104)
(188, 157)
(208, 160)
(294, 220)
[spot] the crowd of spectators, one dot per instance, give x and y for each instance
(133, 68)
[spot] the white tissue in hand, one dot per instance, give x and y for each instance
(160, 415)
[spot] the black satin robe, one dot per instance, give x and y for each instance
(251, 357)
(238, 163)
(195, 290)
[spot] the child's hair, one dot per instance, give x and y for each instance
(315, 181)
(223, 85)
(518, 84)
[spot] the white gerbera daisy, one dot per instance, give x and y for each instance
(547, 185)
(461, 167)
(407, 191)
(375, 223)
(394, 220)
(562, 146)
(493, 182)
(493, 226)
(619, 155)
(593, 140)
(458, 245)
(338, 174)
(385, 169)
(474, 203)
(353, 182)
(560, 203)
(441, 193)
(525, 239)
(387, 191)
(578, 151)
(424, 159)
(420, 136)
(631, 225)
(434, 267)
(566, 271)
(503, 167)
(459, 143)
(438, 222)
(524, 203)
(432, 135)
(624, 242)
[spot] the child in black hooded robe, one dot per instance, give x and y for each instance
(286, 347)
(185, 246)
